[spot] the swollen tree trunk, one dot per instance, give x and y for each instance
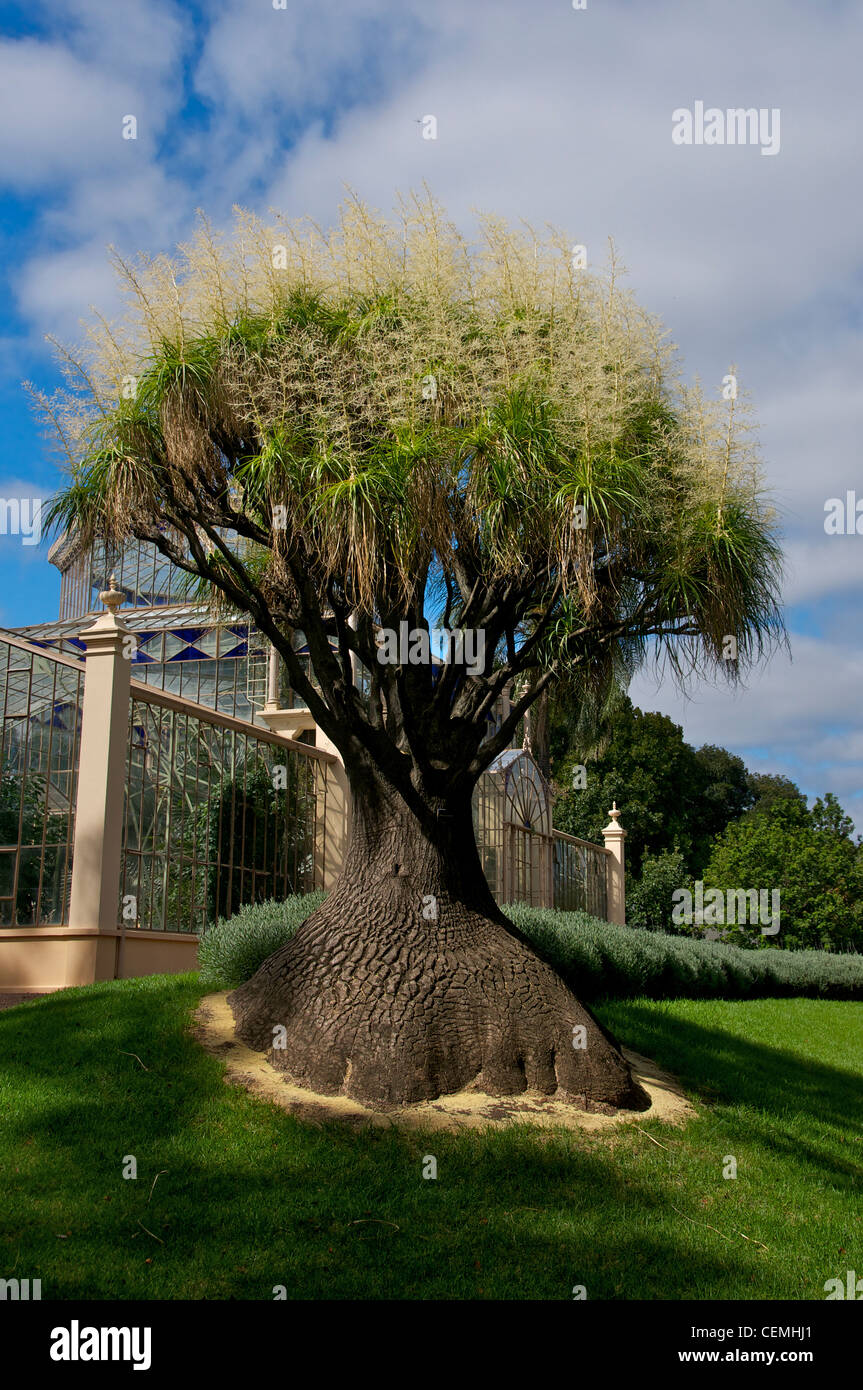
(408, 982)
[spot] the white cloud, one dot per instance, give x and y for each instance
(56, 118)
(257, 60)
(819, 568)
(144, 40)
(57, 289)
(63, 98)
(545, 113)
(805, 710)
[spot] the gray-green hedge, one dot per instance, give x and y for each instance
(598, 958)
(231, 951)
(595, 957)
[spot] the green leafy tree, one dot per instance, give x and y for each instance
(675, 799)
(813, 861)
(724, 797)
(768, 788)
(650, 900)
(828, 816)
(334, 430)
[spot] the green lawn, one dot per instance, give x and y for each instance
(248, 1198)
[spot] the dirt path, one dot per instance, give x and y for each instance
(8, 1001)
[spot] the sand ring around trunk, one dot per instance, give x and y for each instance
(214, 1030)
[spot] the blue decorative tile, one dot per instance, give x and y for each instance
(189, 654)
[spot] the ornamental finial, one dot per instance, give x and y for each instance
(112, 596)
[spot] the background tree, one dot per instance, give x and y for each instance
(650, 898)
(725, 796)
(811, 858)
(677, 799)
(828, 816)
(768, 788)
(330, 429)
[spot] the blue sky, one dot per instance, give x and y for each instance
(544, 112)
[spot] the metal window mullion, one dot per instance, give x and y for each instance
(157, 786)
(38, 912)
(127, 806)
(74, 758)
(24, 761)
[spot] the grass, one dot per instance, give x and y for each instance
(248, 1198)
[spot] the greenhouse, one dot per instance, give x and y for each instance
(523, 857)
(157, 772)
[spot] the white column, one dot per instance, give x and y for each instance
(272, 680)
(99, 807)
(615, 879)
(354, 622)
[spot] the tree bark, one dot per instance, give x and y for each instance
(409, 983)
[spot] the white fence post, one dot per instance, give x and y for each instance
(615, 880)
(98, 842)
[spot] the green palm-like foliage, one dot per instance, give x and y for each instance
(325, 427)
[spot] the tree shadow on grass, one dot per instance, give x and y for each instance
(334, 1214)
(779, 1087)
(252, 1198)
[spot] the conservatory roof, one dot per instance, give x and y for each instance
(506, 759)
(64, 550)
(189, 623)
(157, 619)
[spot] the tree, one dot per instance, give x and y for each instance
(827, 815)
(643, 764)
(769, 788)
(676, 799)
(813, 861)
(333, 430)
(725, 796)
(650, 901)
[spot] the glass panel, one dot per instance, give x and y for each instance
(27, 896)
(173, 645)
(208, 642)
(41, 703)
(8, 858)
(214, 819)
(55, 871)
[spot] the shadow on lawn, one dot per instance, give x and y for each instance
(253, 1198)
(781, 1086)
